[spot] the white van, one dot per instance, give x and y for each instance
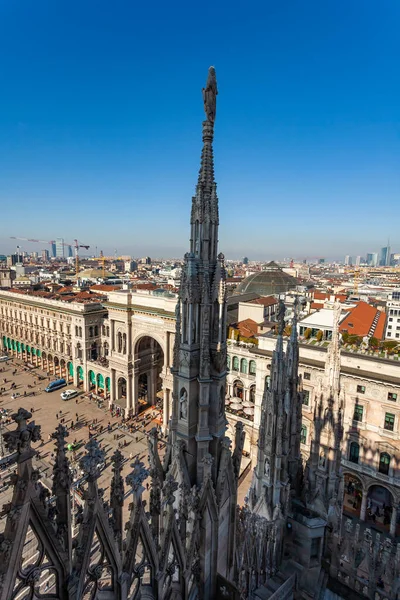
(4, 358)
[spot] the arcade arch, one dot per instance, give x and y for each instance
(149, 364)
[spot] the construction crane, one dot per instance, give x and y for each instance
(76, 245)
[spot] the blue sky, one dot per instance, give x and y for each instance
(101, 111)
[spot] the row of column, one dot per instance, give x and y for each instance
(393, 518)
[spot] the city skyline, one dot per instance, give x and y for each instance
(103, 134)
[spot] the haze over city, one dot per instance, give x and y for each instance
(100, 112)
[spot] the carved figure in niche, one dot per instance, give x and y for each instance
(266, 468)
(322, 459)
(183, 405)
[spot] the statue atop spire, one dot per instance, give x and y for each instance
(210, 93)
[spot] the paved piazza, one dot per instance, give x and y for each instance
(46, 407)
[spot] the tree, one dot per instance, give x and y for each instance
(307, 333)
(373, 342)
(345, 337)
(320, 335)
(288, 330)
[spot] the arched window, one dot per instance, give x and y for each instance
(243, 366)
(252, 367)
(80, 331)
(354, 452)
(124, 343)
(96, 330)
(267, 381)
(119, 341)
(235, 364)
(76, 330)
(90, 331)
(303, 434)
(384, 463)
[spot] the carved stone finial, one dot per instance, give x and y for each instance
(61, 471)
(137, 476)
(117, 482)
(20, 440)
(90, 462)
(210, 93)
(169, 488)
(280, 316)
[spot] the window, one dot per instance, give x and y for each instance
(358, 412)
(252, 367)
(90, 331)
(96, 330)
(228, 362)
(392, 396)
(384, 462)
(390, 318)
(306, 397)
(389, 422)
(243, 366)
(388, 334)
(235, 364)
(307, 376)
(267, 381)
(361, 389)
(389, 327)
(354, 452)
(397, 335)
(303, 434)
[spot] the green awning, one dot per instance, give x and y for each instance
(108, 384)
(80, 373)
(23, 347)
(39, 353)
(33, 351)
(71, 369)
(28, 348)
(92, 377)
(100, 381)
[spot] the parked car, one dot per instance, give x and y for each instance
(4, 358)
(68, 394)
(55, 385)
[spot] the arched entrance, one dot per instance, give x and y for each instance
(238, 389)
(100, 384)
(63, 370)
(108, 386)
(353, 493)
(70, 371)
(379, 507)
(92, 380)
(79, 373)
(57, 370)
(150, 358)
(50, 364)
(121, 387)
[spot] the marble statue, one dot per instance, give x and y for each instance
(183, 405)
(210, 93)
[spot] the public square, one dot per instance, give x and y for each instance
(49, 410)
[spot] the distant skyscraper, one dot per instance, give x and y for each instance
(70, 253)
(385, 256)
(245, 260)
(60, 248)
(358, 261)
(53, 250)
(34, 255)
(45, 255)
(321, 261)
(347, 260)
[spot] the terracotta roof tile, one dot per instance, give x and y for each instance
(360, 319)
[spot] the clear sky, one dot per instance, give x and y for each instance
(101, 111)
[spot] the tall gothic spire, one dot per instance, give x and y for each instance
(198, 418)
(278, 463)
